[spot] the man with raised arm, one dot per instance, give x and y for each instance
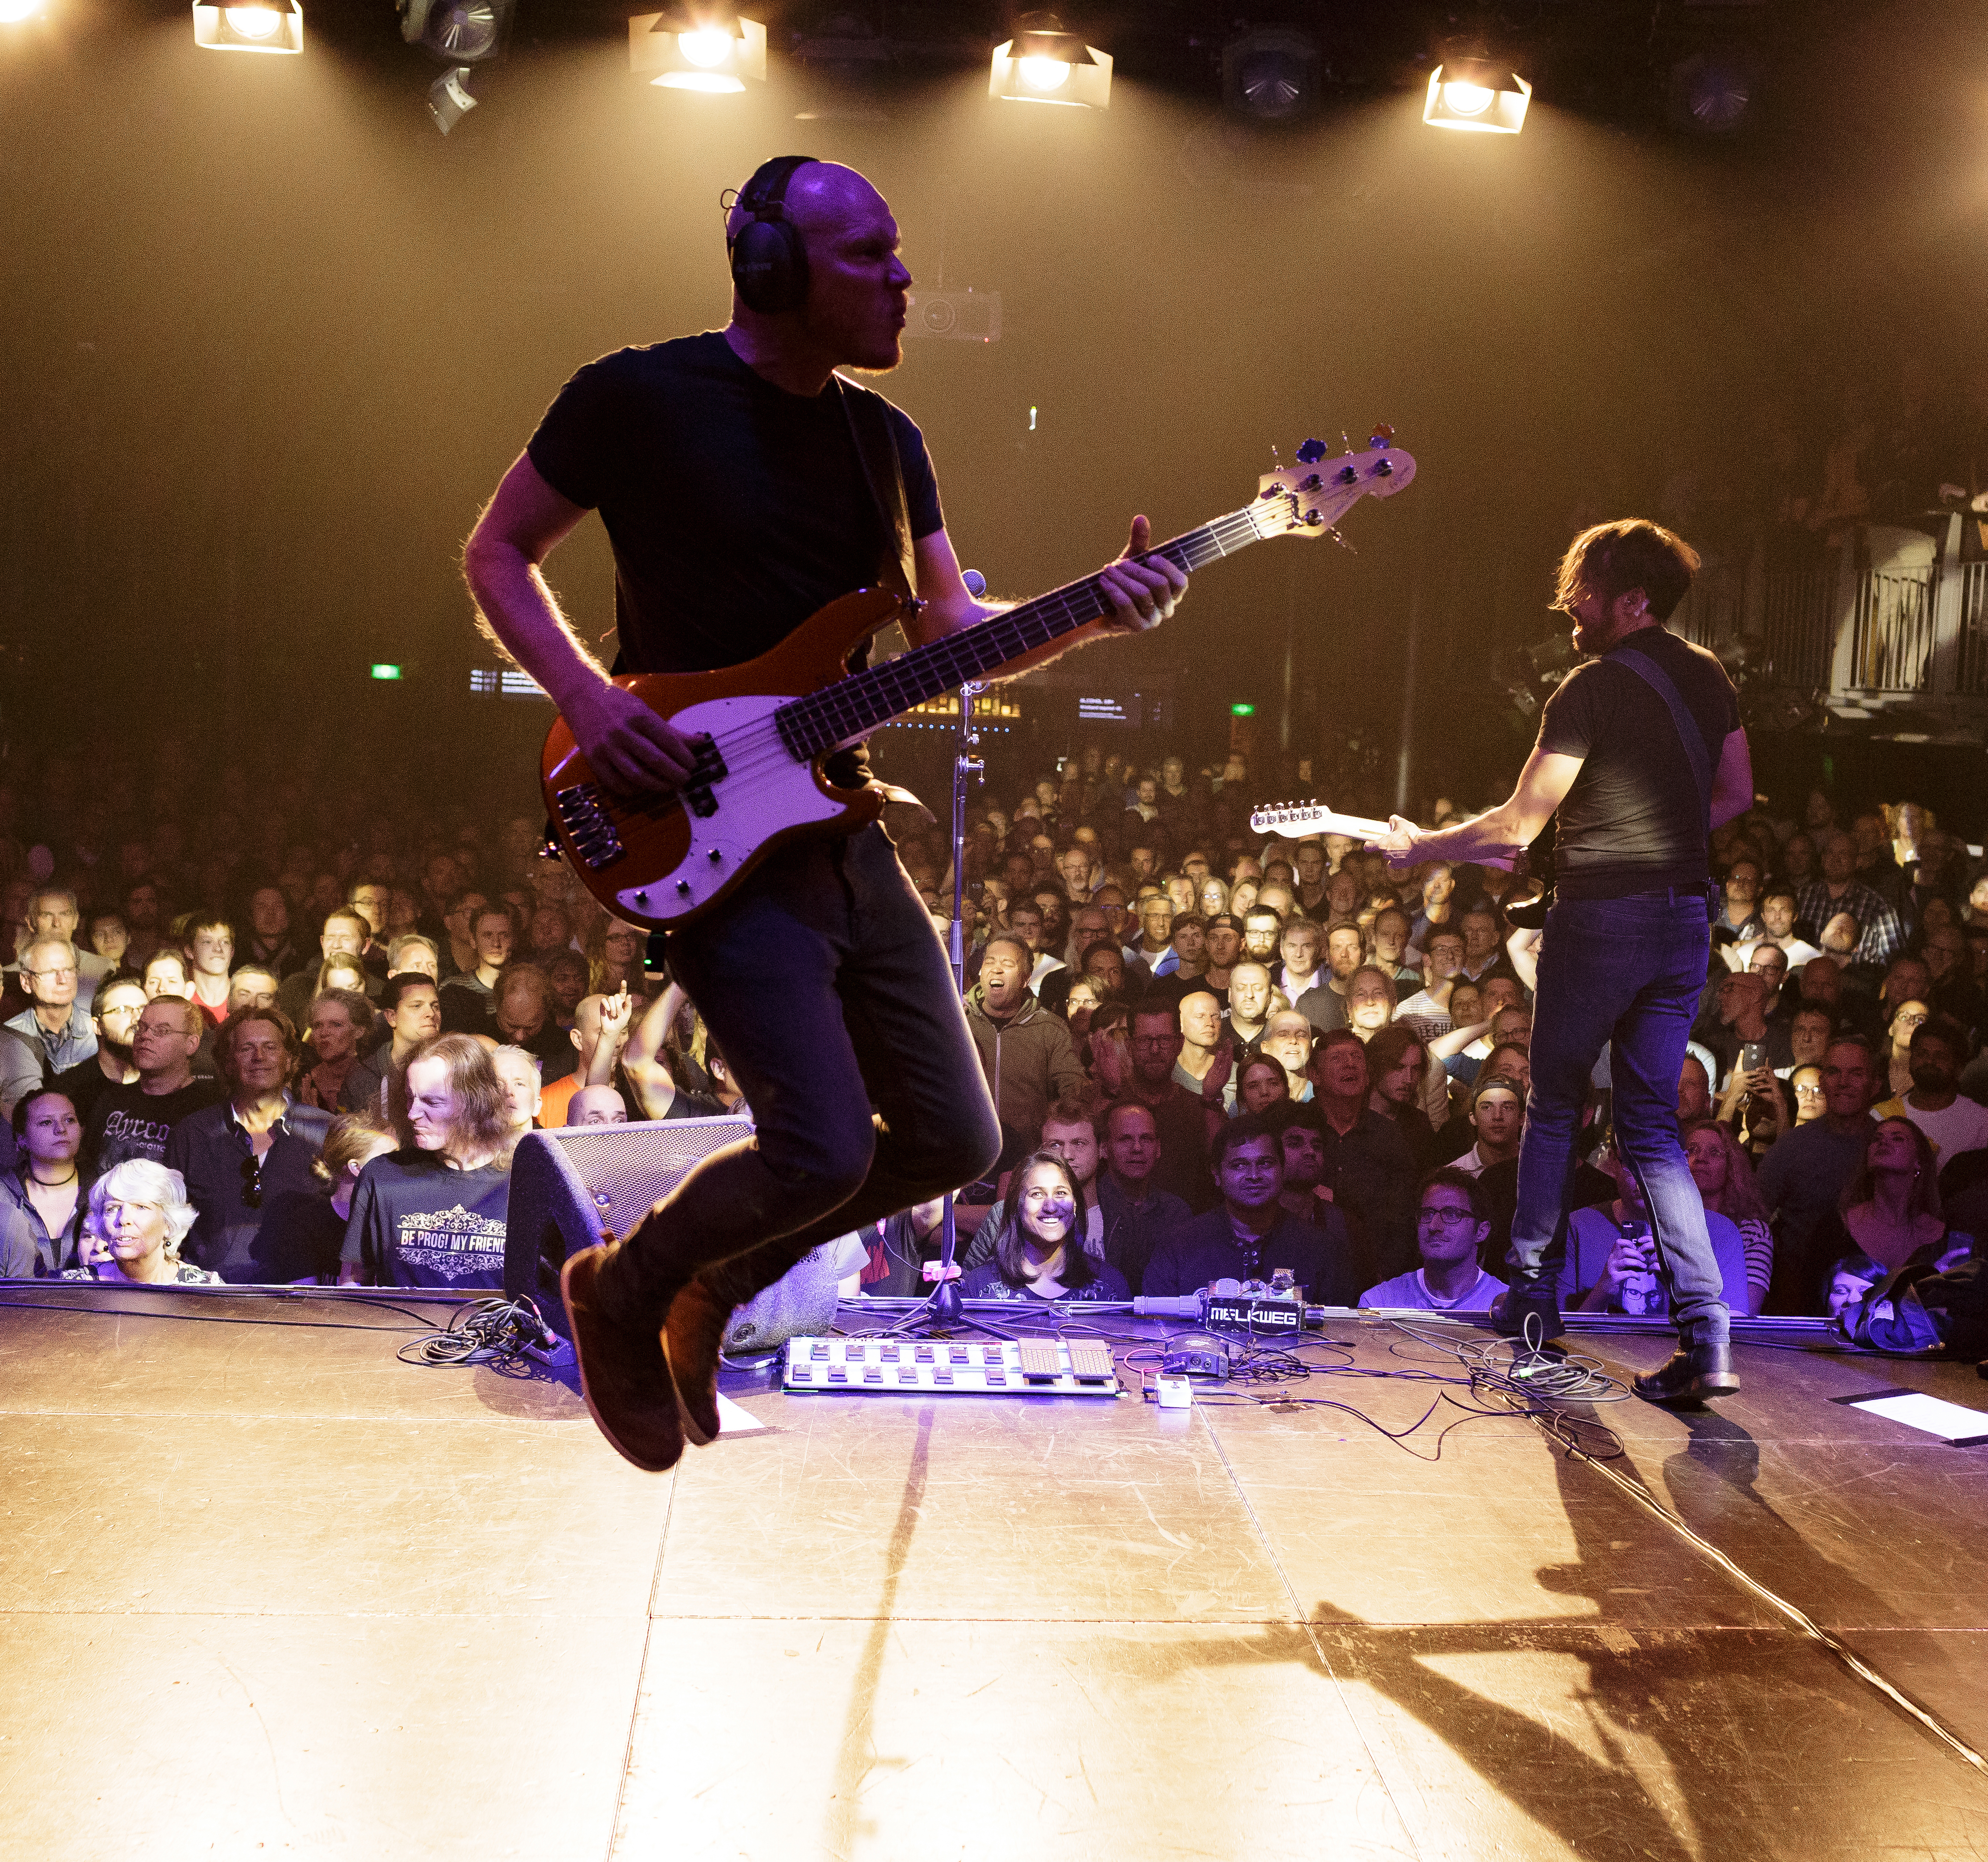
(729, 469)
(1641, 753)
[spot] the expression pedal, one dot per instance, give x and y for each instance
(938, 1367)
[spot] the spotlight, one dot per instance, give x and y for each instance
(459, 32)
(249, 26)
(1270, 74)
(1044, 64)
(1473, 93)
(1713, 93)
(700, 48)
(449, 100)
(13, 11)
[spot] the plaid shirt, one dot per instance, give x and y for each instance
(1883, 935)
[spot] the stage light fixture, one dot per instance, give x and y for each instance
(709, 49)
(250, 25)
(1713, 93)
(449, 97)
(1475, 93)
(1270, 74)
(459, 32)
(13, 12)
(1044, 64)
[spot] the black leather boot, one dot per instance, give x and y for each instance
(1692, 1373)
(1511, 1308)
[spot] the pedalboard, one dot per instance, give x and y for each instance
(946, 1368)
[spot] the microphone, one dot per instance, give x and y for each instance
(976, 584)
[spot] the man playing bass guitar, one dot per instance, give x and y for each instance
(731, 471)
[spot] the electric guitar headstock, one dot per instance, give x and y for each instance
(1309, 498)
(1300, 820)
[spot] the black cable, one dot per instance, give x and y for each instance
(499, 1332)
(422, 1323)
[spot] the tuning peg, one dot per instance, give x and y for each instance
(1383, 437)
(1311, 450)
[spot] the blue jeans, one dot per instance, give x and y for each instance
(826, 989)
(1627, 972)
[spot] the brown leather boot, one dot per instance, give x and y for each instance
(623, 1373)
(691, 1336)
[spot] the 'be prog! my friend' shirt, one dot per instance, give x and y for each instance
(417, 1222)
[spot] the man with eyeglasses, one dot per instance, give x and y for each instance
(253, 1150)
(54, 1023)
(135, 1119)
(115, 1017)
(53, 912)
(1452, 1224)
(1178, 1116)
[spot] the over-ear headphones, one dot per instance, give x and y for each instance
(769, 266)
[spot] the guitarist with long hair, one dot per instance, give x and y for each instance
(743, 485)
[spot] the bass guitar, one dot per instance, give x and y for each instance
(764, 728)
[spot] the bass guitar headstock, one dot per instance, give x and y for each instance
(1309, 498)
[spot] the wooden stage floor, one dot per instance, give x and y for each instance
(268, 1591)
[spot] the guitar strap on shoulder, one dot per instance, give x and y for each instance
(869, 418)
(1633, 659)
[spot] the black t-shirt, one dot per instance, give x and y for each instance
(127, 1122)
(416, 1222)
(735, 509)
(1633, 820)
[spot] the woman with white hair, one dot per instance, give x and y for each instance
(139, 1214)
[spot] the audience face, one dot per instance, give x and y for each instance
(370, 902)
(1214, 897)
(48, 969)
(333, 1035)
(1694, 1091)
(1298, 945)
(1132, 1143)
(1777, 915)
(1821, 981)
(1771, 961)
(1182, 894)
(109, 939)
(52, 1137)
(1906, 979)
(1261, 1084)
(1273, 896)
(1345, 951)
(1806, 1083)
(1743, 886)
(1498, 1117)
(1368, 1007)
(1936, 1066)
(268, 913)
(493, 939)
(1045, 1209)
(1846, 1082)
(1025, 922)
(117, 1008)
(1201, 1017)
(520, 1079)
(1946, 953)
(1304, 1158)
(1287, 1040)
(1074, 864)
(1447, 1230)
(417, 1016)
(1156, 1047)
(459, 923)
(253, 1059)
(1077, 1145)
(1252, 1175)
(1845, 1290)
(1310, 863)
(1156, 921)
(1705, 1153)
(1249, 993)
(165, 1038)
(433, 1107)
(1480, 936)
(1190, 943)
(1004, 978)
(251, 987)
(1911, 1016)
(589, 1106)
(1224, 945)
(137, 1234)
(1444, 952)
(344, 934)
(1397, 1085)
(1339, 1070)
(1260, 935)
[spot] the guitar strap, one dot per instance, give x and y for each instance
(1633, 659)
(869, 420)
(883, 471)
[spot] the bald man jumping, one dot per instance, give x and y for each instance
(729, 470)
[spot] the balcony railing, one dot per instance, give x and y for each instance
(1863, 635)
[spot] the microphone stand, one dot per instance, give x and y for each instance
(942, 1311)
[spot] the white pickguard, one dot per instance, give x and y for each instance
(765, 791)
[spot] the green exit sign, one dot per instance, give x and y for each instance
(386, 672)
(1242, 710)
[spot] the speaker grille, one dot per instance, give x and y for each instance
(628, 1168)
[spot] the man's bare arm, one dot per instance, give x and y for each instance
(1732, 786)
(629, 747)
(1499, 834)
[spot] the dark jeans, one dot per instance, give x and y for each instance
(1628, 972)
(826, 988)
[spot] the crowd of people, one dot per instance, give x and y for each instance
(290, 1055)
